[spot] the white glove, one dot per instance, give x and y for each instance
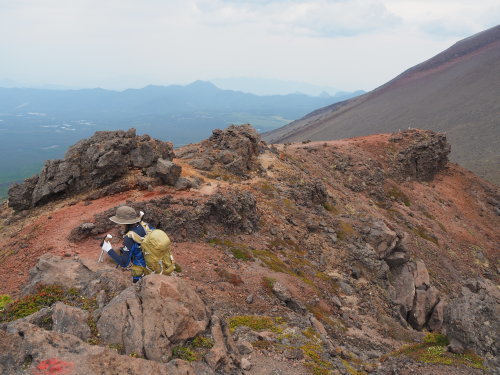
(106, 246)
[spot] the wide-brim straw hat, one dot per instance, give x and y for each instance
(125, 215)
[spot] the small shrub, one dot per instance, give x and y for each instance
(184, 352)
(45, 296)
(203, 342)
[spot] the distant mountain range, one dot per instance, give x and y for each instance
(456, 91)
(39, 124)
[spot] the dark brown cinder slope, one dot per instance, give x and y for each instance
(456, 91)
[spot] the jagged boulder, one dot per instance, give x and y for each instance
(309, 193)
(26, 348)
(167, 171)
(419, 302)
(383, 239)
(69, 319)
(90, 164)
(423, 153)
(472, 320)
(163, 312)
(234, 149)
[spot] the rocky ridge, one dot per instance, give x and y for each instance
(318, 257)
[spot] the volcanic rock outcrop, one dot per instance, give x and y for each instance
(234, 149)
(424, 153)
(93, 163)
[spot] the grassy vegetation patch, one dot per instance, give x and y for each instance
(193, 350)
(278, 243)
(268, 283)
(433, 350)
(398, 195)
(5, 299)
(266, 188)
(257, 323)
(45, 296)
(345, 230)
(422, 232)
(239, 251)
(331, 208)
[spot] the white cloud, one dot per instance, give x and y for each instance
(350, 44)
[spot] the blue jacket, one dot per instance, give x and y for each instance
(131, 251)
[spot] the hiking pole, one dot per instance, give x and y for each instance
(102, 250)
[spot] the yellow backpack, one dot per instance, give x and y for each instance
(155, 247)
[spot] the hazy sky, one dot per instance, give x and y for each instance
(348, 44)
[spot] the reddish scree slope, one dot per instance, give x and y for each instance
(454, 92)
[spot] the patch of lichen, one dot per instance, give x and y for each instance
(257, 323)
(433, 350)
(118, 347)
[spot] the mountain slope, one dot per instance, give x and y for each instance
(456, 92)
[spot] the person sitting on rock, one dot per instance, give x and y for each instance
(131, 251)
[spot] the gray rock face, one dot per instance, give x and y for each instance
(82, 274)
(383, 239)
(424, 154)
(68, 319)
(90, 164)
(163, 312)
(310, 193)
(283, 294)
(167, 171)
(418, 300)
(472, 320)
(234, 149)
(28, 349)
